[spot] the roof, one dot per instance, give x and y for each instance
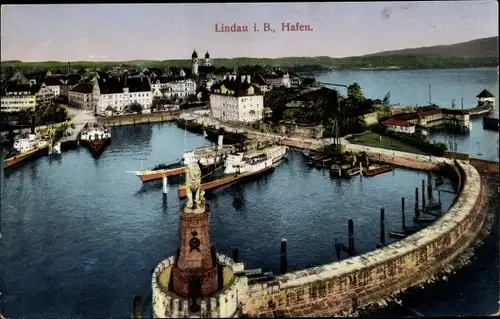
(429, 112)
(138, 84)
(397, 123)
(406, 116)
(485, 94)
(207, 56)
(259, 80)
(52, 81)
(194, 55)
(238, 87)
(320, 94)
(110, 86)
(31, 88)
(83, 87)
(308, 81)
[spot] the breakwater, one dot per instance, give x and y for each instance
(357, 282)
(156, 117)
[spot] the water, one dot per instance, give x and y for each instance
(411, 87)
(81, 236)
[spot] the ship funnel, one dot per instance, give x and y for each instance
(220, 141)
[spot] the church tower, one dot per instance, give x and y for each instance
(194, 63)
(207, 59)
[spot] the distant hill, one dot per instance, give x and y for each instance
(471, 54)
(479, 48)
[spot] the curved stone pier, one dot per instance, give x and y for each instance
(345, 286)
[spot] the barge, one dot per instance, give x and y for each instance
(377, 170)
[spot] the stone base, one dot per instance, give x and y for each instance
(207, 281)
(223, 304)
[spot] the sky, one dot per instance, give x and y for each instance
(121, 32)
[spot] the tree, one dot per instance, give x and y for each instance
(134, 107)
(192, 98)
(355, 91)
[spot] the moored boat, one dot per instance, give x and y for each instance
(227, 179)
(95, 137)
(376, 170)
(25, 147)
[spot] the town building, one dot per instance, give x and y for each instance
(278, 79)
(237, 99)
(399, 126)
(201, 70)
(80, 96)
(173, 87)
(17, 97)
(54, 84)
(110, 93)
(485, 96)
(434, 117)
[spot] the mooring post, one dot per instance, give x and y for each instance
(439, 197)
(350, 226)
(382, 226)
(235, 255)
(338, 249)
(283, 257)
(165, 188)
(137, 307)
(403, 218)
(423, 195)
(429, 186)
(417, 212)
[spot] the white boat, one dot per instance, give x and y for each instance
(242, 163)
(276, 153)
(95, 132)
(207, 156)
(29, 143)
(56, 149)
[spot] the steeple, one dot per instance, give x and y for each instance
(207, 56)
(194, 55)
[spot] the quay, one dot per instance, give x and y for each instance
(133, 119)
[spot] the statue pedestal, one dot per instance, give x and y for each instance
(195, 271)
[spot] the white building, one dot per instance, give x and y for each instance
(278, 79)
(236, 99)
(54, 84)
(19, 96)
(118, 93)
(173, 87)
(399, 126)
(485, 96)
(81, 96)
(44, 95)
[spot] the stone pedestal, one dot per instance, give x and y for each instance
(195, 271)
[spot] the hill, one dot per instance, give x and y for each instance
(479, 48)
(471, 54)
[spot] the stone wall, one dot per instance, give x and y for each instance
(484, 166)
(359, 281)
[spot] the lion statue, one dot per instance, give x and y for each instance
(193, 183)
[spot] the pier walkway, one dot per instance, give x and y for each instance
(78, 118)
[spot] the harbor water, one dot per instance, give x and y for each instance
(81, 235)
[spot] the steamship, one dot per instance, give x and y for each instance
(26, 147)
(209, 159)
(95, 137)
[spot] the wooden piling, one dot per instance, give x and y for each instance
(338, 249)
(283, 257)
(403, 217)
(423, 195)
(382, 226)
(429, 186)
(417, 212)
(235, 255)
(137, 307)
(350, 226)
